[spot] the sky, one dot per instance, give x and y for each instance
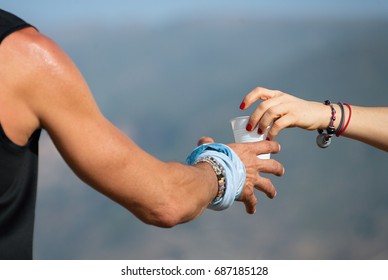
(156, 12)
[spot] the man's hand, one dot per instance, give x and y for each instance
(248, 154)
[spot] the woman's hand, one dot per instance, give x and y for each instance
(284, 110)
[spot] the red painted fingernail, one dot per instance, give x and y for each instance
(242, 106)
(268, 139)
(249, 127)
(259, 131)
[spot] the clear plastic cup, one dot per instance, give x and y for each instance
(241, 135)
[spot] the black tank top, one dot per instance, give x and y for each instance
(18, 178)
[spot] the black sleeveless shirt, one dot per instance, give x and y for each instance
(18, 178)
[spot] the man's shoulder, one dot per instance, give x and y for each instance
(31, 58)
(28, 43)
(34, 71)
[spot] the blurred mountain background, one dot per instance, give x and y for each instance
(166, 83)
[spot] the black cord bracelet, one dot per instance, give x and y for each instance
(339, 128)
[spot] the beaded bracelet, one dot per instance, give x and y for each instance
(331, 129)
(324, 139)
(220, 173)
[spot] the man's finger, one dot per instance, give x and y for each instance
(265, 185)
(264, 147)
(271, 166)
(205, 140)
(249, 199)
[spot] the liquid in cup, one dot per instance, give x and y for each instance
(241, 135)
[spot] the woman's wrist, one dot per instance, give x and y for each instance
(342, 115)
(326, 116)
(337, 123)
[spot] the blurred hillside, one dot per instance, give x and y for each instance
(166, 86)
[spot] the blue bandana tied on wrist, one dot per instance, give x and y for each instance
(234, 169)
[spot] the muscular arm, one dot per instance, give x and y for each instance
(58, 99)
(40, 87)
